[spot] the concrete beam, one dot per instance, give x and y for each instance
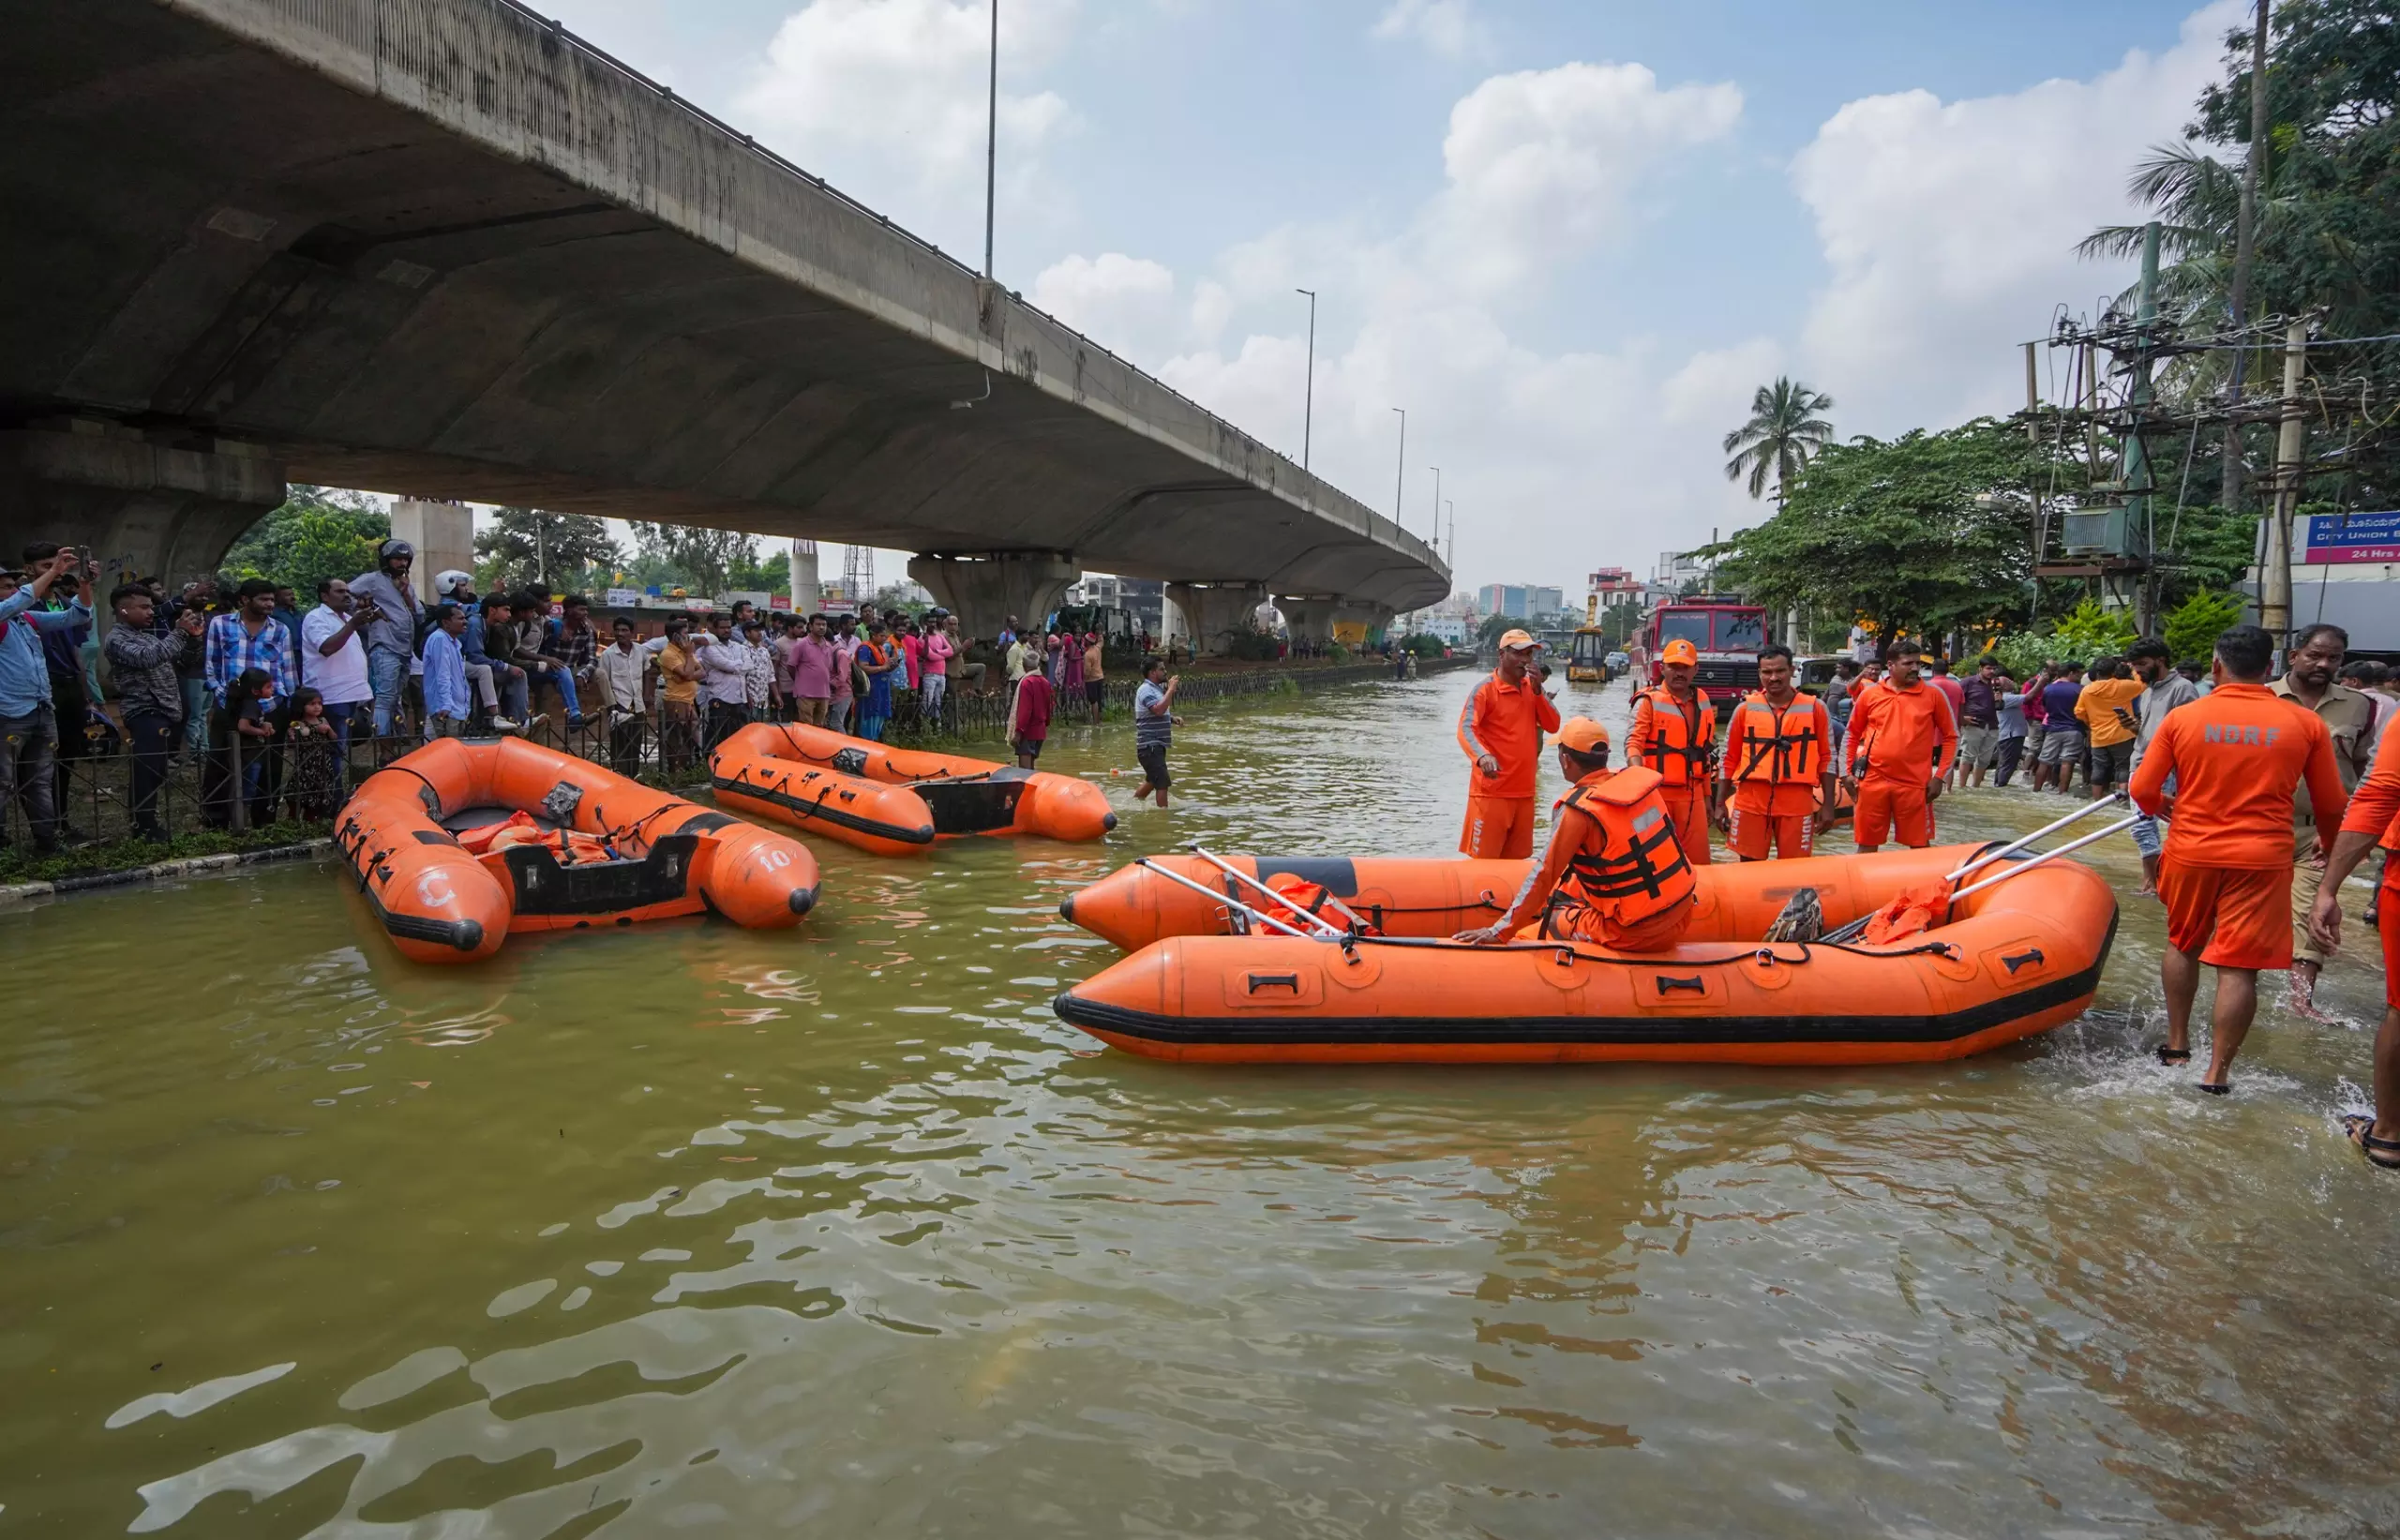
(146, 508)
(984, 591)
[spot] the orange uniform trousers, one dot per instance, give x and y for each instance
(1687, 810)
(1751, 835)
(1892, 810)
(2228, 917)
(1659, 933)
(1498, 827)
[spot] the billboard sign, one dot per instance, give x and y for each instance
(2336, 538)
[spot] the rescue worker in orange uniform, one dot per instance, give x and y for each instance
(1501, 727)
(1675, 733)
(2236, 755)
(1614, 872)
(1902, 740)
(1776, 773)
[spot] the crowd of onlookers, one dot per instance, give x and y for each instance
(267, 698)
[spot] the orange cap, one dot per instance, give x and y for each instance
(1513, 641)
(1582, 735)
(1680, 650)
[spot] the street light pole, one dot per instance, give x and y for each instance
(1400, 477)
(1437, 502)
(1308, 401)
(992, 144)
(1450, 557)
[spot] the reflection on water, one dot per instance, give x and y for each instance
(686, 1229)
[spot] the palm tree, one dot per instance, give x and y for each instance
(1783, 434)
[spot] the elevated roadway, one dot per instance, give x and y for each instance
(443, 247)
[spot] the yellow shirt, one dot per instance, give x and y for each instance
(672, 686)
(2106, 709)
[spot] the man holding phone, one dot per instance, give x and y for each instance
(28, 717)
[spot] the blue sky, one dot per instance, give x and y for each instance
(1569, 238)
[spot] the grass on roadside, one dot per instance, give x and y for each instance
(18, 864)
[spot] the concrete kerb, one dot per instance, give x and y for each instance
(23, 894)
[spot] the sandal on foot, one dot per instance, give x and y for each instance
(2358, 1129)
(2213, 1090)
(2173, 1056)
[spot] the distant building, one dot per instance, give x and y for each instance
(1675, 569)
(1524, 601)
(1145, 599)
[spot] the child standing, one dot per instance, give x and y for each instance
(312, 778)
(254, 692)
(1154, 723)
(1029, 717)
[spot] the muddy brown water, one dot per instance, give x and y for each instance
(690, 1230)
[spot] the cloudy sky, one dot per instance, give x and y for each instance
(1570, 238)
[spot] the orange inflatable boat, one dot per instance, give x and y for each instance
(2014, 960)
(962, 796)
(459, 842)
(758, 769)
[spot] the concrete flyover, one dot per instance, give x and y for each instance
(442, 247)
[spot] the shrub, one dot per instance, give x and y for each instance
(2194, 625)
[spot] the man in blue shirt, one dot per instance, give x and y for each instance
(445, 674)
(28, 723)
(2063, 740)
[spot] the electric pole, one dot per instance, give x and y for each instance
(2245, 241)
(1308, 398)
(1400, 480)
(992, 143)
(2275, 577)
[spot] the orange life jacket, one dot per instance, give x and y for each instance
(1680, 742)
(1762, 743)
(1639, 870)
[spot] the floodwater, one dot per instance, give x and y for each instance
(839, 1231)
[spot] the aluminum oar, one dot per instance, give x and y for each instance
(1215, 897)
(2015, 845)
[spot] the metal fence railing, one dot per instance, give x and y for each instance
(299, 786)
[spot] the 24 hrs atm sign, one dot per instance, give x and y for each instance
(2356, 537)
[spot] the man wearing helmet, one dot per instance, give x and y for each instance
(391, 636)
(453, 587)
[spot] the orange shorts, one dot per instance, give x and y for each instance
(2387, 921)
(1687, 810)
(1659, 933)
(2228, 917)
(1498, 827)
(1790, 836)
(1892, 810)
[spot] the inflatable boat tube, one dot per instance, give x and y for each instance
(965, 796)
(616, 852)
(757, 770)
(2015, 959)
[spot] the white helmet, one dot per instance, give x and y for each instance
(453, 583)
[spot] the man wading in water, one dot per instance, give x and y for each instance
(1500, 727)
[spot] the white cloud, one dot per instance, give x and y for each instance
(888, 100)
(1543, 162)
(1449, 28)
(1949, 226)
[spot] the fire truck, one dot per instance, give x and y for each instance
(1727, 633)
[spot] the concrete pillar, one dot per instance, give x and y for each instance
(167, 507)
(984, 590)
(807, 593)
(1215, 611)
(443, 532)
(1309, 620)
(1362, 624)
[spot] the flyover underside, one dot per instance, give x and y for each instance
(210, 241)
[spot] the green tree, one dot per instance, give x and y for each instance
(1922, 535)
(1784, 432)
(533, 547)
(2194, 625)
(706, 559)
(319, 533)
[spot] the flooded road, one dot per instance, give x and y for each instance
(688, 1230)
